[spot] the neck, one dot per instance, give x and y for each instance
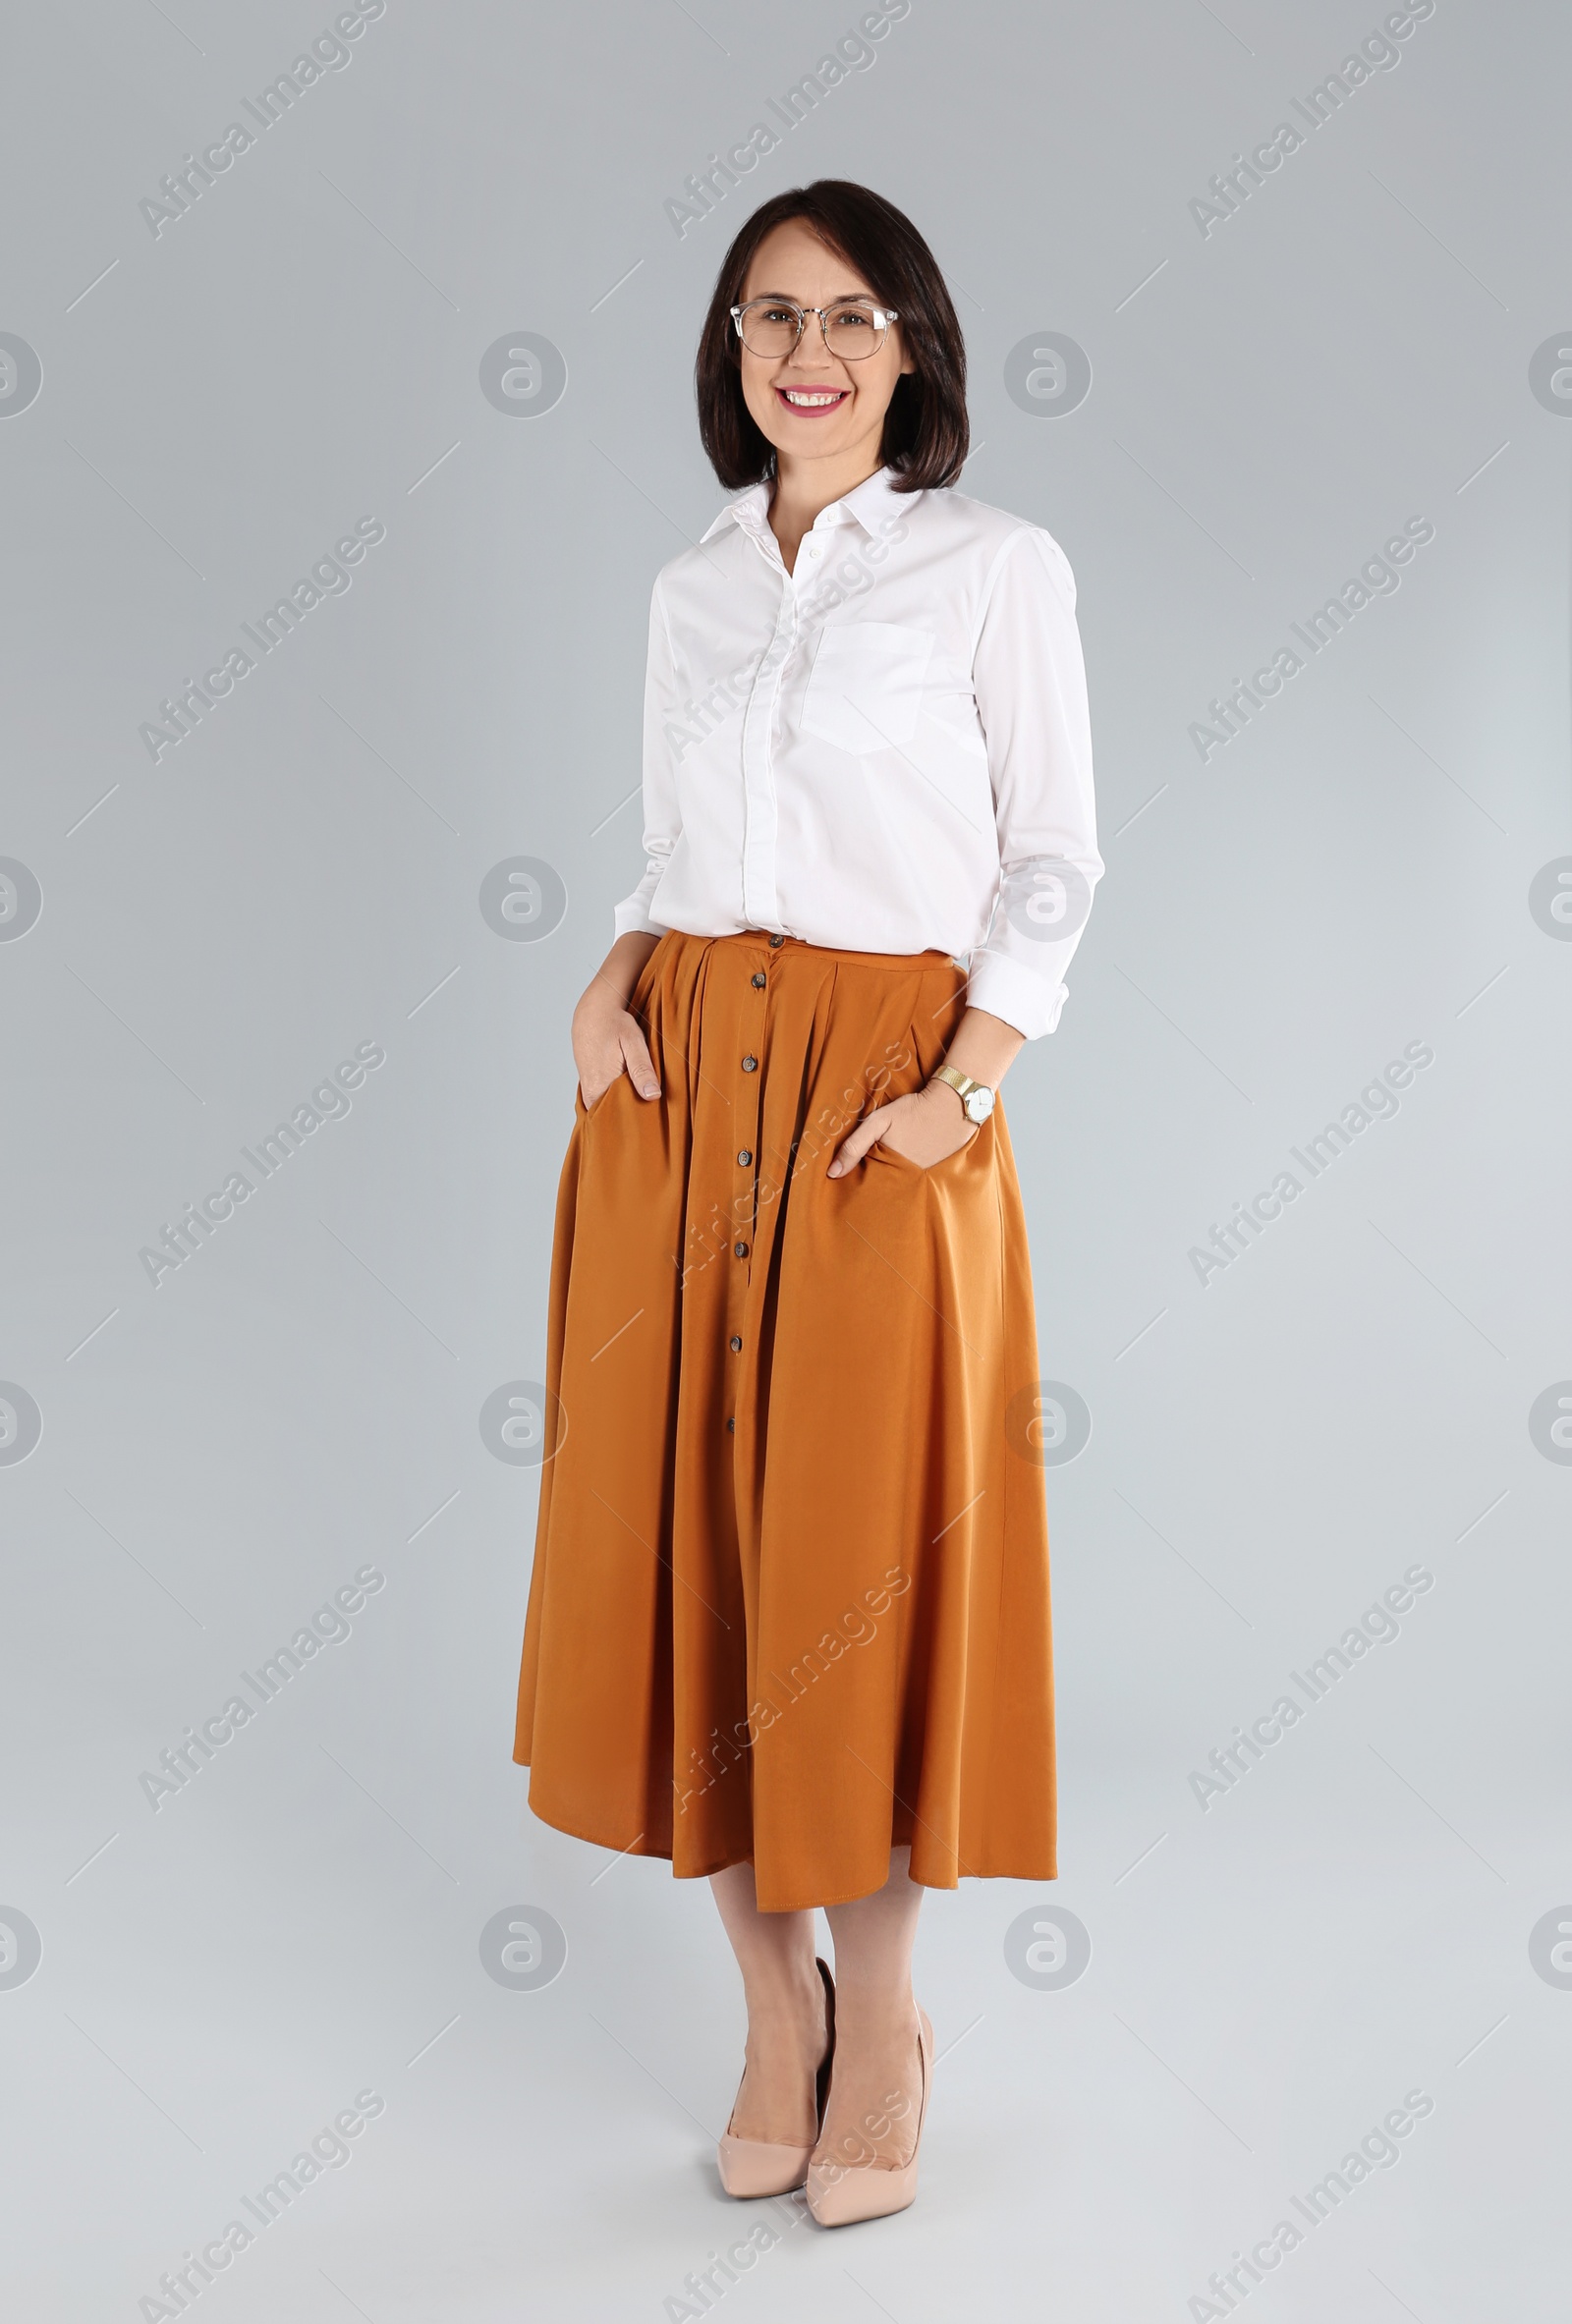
(804, 488)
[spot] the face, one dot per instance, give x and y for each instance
(809, 403)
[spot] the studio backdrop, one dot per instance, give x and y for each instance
(346, 416)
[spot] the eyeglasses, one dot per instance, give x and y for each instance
(853, 328)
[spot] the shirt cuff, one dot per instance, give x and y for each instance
(631, 917)
(1005, 989)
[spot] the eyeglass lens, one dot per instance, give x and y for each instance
(769, 327)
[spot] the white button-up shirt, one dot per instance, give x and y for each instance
(887, 750)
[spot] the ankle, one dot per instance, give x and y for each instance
(877, 2013)
(787, 2004)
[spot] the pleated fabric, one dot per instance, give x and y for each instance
(790, 1598)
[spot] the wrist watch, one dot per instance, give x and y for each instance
(977, 1098)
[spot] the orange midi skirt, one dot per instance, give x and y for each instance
(790, 1597)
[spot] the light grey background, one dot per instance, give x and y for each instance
(1269, 403)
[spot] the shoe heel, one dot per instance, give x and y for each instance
(754, 2167)
(843, 2195)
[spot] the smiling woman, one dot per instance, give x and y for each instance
(791, 1301)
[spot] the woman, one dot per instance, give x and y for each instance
(789, 1618)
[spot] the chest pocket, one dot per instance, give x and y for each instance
(864, 690)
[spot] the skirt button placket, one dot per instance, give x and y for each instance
(736, 1302)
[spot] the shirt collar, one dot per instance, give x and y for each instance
(867, 503)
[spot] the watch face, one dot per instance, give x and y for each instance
(980, 1104)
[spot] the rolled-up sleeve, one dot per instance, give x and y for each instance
(1029, 682)
(662, 818)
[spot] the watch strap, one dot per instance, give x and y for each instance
(962, 1084)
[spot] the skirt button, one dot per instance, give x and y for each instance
(736, 1346)
(741, 1250)
(777, 940)
(749, 1065)
(744, 1155)
(759, 979)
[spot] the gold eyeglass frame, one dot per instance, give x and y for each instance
(883, 317)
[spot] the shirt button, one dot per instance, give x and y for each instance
(736, 1346)
(741, 1250)
(758, 979)
(777, 940)
(749, 1065)
(744, 1155)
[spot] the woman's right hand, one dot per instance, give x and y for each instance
(607, 1037)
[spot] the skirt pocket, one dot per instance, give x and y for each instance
(889, 1153)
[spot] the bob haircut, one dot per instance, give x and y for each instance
(926, 432)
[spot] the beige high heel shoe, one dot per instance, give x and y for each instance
(841, 2194)
(768, 2167)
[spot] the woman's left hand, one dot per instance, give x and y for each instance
(927, 1127)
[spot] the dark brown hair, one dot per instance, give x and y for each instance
(926, 432)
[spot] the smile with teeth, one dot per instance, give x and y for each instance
(812, 399)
